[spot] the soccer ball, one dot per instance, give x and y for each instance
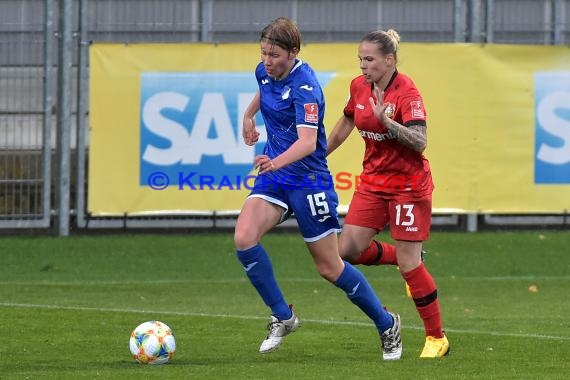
(152, 343)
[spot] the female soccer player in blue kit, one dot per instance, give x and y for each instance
(294, 178)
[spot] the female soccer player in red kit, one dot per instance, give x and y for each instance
(396, 183)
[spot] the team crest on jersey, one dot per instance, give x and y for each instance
(285, 93)
(311, 112)
(390, 110)
(417, 111)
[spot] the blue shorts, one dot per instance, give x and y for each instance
(314, 207)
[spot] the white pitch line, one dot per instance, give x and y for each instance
(286, 279)
(251, 317)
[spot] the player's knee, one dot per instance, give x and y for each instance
(350, 256)
(244, 239)
(349, 251)
(408, 263)
(329, 271)
(328, 275)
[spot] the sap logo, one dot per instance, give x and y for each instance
(192, 122)
(189, 147)
(552, 128)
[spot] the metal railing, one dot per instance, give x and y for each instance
(44, 75)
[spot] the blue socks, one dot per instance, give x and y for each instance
(359, 291)
(258, 268)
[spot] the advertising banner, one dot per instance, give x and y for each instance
(165, 125)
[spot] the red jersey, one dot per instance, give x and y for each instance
(389, 167)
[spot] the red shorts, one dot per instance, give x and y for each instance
(409, 218)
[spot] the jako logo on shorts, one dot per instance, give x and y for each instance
(552, 128)
(191, 122)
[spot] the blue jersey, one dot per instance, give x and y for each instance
(304, 187)
(297, 101)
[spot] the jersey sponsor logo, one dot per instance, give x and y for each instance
(417, 111)
(311, 112)
(552, 128)
(376, 136)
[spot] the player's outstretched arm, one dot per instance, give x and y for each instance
(340, 133)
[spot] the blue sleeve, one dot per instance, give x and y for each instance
(309, 105)
(259, 72)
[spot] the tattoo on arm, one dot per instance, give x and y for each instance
(414, 136)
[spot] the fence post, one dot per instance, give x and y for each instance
(474, 21)
(559, 22)
(207, 12)
(64, 116)
(48, 83)
(458, 25)
(489, 21)
(472, 222)
(82, 95)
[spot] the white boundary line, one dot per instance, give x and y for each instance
(286, 279)
(250, 317)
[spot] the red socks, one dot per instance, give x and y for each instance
(424, 293)
(378, 254)
(422, 286)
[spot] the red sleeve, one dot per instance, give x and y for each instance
(349, 107)
(412, 108)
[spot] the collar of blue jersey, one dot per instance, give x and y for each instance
(297, 64)
(389, 83)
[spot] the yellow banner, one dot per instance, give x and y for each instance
(166, 124)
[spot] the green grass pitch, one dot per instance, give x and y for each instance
(68, 306)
